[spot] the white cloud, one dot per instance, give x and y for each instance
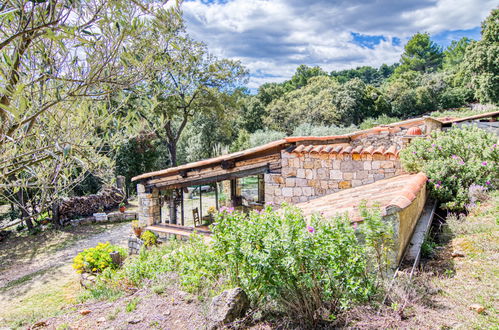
(272, 38)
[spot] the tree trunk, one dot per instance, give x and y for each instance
(24, 213)
(172, 148)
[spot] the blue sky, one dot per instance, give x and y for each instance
(272, 37)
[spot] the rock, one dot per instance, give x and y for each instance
(101, 320)
(134, 320)
(477, 308)
(85, 312)
(458, 254)
(167, 312)
(229, 305)
(39, 324)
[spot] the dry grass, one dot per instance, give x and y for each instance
(441, 293)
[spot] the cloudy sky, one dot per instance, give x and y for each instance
(273, 37)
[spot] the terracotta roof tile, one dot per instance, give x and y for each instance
(346, 149)
(317, 148)
(379, 150)
(392, 195)
(368, 150)
(357, 150)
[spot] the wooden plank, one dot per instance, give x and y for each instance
(273, 147)
(217, 170)
(215, 177)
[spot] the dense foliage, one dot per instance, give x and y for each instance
(309, 270)
(301, 268)
(454, 160)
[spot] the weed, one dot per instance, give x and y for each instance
(428, 247)
(158, 289)
(63, 326)
(112, 316)
(132, 305)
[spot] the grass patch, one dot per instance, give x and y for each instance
(132, 305)
(25, 279)
(46, 300)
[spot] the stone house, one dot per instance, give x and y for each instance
(296, 170)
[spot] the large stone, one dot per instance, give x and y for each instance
(287, 192)
(229, 306)
(336, 175)
(300, 173)
(344, 184)
(290, 182)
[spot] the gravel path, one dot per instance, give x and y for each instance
(117, 235)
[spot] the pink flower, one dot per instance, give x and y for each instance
(355, 225)
(484, 163)
(311, 229)
(487, 183)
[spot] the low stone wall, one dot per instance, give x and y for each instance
(134, 244)
(111, 217)
(307, 176)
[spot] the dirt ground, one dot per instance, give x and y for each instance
(36, 277)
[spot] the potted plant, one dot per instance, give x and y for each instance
(136, 228)
(122, 207)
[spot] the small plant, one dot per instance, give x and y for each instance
(212, 210)
(158, 289)
(428, 247)
(132, 305)
(149, 238)
(122, 207)
(136, 228)
(96, 259)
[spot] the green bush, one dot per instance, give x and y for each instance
(277, 258)
(454, 160)
(97, 259)
(149, 238)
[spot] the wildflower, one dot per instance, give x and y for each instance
(487, 183)
(355, 225)
(484, 163)
(455, 157)
(311, 229)
(414, 152)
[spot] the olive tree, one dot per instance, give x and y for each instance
(59, 62)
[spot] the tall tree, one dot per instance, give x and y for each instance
(182, 79)
(59, 62)
(454, 54)
(420, 54)
(481, 61)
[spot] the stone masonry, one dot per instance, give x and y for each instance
(149, 208)
(310, 175)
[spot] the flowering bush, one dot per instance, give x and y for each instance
(96, 259)
(301, 268)
(454, 160)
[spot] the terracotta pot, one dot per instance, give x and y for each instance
(122, 209)
(137, 231)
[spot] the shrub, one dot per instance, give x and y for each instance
(149, 238)
(381, 120)
(454, 160)
(276, 257)
(96, 259)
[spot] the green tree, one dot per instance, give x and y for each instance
(454, 54)
(481, 62)
(302, 76)
(356, 101)
(59, 63)
(420, 54)
(311, 104)
(182, 79)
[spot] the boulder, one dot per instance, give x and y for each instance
(229, 305)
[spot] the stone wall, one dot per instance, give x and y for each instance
(305, 176)
(149, 208)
